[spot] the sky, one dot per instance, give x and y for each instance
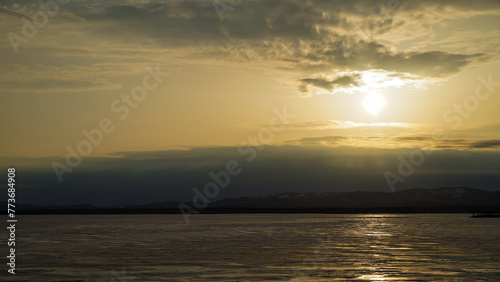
(138, 101)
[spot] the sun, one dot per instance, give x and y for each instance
(374, 103)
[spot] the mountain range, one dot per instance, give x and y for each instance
(445, 199)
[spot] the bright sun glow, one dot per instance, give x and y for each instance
(374, 103)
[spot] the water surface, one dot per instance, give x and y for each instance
(257, 247)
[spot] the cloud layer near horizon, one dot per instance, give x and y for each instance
(142, 177)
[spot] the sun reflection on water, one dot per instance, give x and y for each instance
(376, 277)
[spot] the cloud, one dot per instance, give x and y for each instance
(377, 139)
(324, 140)
(412, 138)
(431, 63)
(63, 85)
(141, 177)
(447, 143)
(339, 124)
(485, 144)
(307, 35)
(334, 53)
(460, 40)
(360, 82)
(44, 78)
(300, 36)
(365, 141)
(327, 84)
(13, 13)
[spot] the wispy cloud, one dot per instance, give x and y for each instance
(340, 124)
